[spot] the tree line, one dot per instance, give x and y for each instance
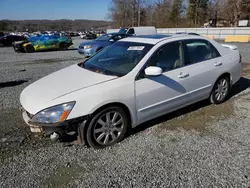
(52, 25)
(177, 13)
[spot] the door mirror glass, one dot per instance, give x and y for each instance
(153, 71)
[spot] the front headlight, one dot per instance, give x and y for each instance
(87, 47)
(55, 114)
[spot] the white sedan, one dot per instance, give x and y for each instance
(130, 82)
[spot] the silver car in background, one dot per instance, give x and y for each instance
(130, 82)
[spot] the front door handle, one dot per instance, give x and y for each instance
(183, 75)
(217, 64)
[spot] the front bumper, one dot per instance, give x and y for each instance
(47, 129)
(70, 44)
(18, 47)
(33, 128)
(86, 52)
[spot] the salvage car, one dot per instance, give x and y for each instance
(7, 40)
(42, 43)
(89, 48)
(130, 82)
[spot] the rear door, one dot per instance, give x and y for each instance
(52, 42)
(203, 64)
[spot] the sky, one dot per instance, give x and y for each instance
(54, 9)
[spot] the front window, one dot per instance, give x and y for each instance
(117, 59)
(168, 57)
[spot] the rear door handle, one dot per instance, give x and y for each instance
(183, 75)
(217, 64)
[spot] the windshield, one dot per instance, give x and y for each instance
(117, 59)
(104, 37)
(123, 31)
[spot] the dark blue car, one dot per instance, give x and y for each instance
(89, 48)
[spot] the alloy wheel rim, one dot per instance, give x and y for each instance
(108, 128)
(221, 89)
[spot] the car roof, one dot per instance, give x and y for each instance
(154, 39)
(157, 36)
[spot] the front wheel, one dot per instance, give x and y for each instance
(220, 91)
(107, 127)
(63, 46)
(1, 44)
(29, 49)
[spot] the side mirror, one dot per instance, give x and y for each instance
(111, 40)
(153, 71)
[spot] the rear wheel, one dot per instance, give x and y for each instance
(220, 91)
(63, 46)
(29, 49)
(107, 127)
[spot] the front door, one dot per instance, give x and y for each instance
(156, 96)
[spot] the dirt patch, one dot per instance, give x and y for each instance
(201, 118)
(63, 175)
(245, 69)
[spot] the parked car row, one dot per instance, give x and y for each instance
(88, 48)
(132, 80)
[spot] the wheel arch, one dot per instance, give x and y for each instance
(117, 104)
(83, 130)
(225, 74)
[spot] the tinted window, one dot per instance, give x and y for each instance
(131, 31)
(17, 38)
(105, 37)
(118, 37)
(168, 57)
(199, 50)
(117, 59)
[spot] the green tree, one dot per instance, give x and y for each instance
(175, 13)
(197, 12)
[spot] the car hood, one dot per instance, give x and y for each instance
(95, 43)
(71, 79)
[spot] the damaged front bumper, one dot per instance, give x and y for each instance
(18, 46)
(76, 125)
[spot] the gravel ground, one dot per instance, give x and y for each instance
(200, 146)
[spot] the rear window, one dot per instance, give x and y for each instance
(131, 31)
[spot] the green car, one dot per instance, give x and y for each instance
(42, 43)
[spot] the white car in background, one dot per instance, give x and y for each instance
(130, 82)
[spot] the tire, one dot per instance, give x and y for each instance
(1, 44)
(101, 134)
(29, 49)
(63, 46)
(220, 91)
